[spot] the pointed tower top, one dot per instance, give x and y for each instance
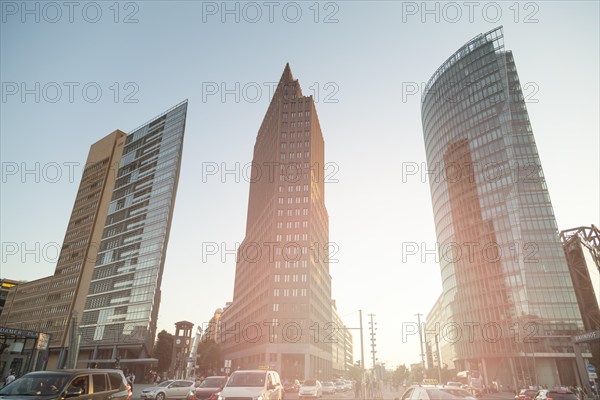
(287, 80)
(287, 74)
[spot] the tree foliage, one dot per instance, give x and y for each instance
(163, 350)
(209, 357)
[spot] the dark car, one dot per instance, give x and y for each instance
(526, 394)
(291, 387)
(555, 395)
(94, 384)
(208, 388)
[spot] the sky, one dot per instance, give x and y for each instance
(72, 73)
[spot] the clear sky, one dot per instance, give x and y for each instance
(363, 62)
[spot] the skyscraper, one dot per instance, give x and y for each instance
(281, 314)
(506, 284)
(106, 285)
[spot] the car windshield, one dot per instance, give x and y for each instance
(36, 385)
(247, 379)
(310, 382)
(212, 383)
(165, 383)
(327, 383)
(448, 393)
(529, 392)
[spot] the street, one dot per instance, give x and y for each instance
(387, 394)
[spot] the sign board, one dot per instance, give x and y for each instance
(18, 332)
(592, 372)
(227, 364)
(588, 337)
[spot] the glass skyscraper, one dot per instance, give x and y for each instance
(506, 283)
(121, 307)
(106, 285)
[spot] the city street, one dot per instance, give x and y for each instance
(387, 395)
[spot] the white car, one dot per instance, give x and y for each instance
(174, 389)
(310, 389)
(328, 388)
(252, 384)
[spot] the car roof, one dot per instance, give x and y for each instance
(77, 371)
(253, 370)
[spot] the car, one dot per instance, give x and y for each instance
(433, 392)
(340, 386)
(208, 389)
(291, 387)
(555, 394)
(328, 388)
(310, 389)
(171, 389)
(526, 394)
(253, 384)
(85, 384)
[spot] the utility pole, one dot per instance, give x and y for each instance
(418, 315)
(373, 351)
(362, 354)
(439, 358)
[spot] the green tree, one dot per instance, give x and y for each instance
(354, 373)
(416, 374)
(209, 357)
(400, 374)
(163, 350)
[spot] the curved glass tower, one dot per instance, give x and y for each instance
(506, 284)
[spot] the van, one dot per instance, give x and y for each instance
(253, 384)
(83, 384)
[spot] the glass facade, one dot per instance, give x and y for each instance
(506, 284)
(124, 295)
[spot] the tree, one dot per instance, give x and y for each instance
(400, 375)
(354, 373)
(163, 350)
(209, 357)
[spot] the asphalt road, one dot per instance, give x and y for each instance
(387, 395)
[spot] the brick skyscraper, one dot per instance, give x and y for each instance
(281, 314)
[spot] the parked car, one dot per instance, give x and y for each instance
(340, 386)
(253, 384)
(291, 387)
(415, 392)
(555, 395)
(328, 388)
(92, 384)
(208, 389)
(310, 389)
(171, 389)
(526, 394)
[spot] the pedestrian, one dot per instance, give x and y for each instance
(10, 377)
(131, 380)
